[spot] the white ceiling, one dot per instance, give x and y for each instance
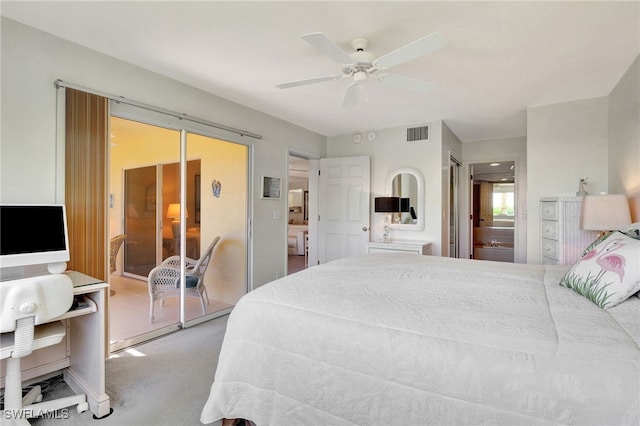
(501, 58)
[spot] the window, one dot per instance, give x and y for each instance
(503, 200)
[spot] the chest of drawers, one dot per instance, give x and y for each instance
(561, 239)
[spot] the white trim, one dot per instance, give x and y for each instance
(312, 188)
(60, 84)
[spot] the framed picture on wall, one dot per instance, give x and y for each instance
(270, 187)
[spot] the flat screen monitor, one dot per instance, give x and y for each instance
(33, 234)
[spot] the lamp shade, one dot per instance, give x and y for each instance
(173, 211)
(132, 212)
(605, 212)
(387, 204)
(405, 204)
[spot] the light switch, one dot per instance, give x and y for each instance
(276, 214)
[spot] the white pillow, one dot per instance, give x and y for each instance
(609, 273)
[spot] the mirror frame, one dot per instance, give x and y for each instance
(419, 225)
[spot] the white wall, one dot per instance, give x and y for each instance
(512, 149)
(565, 142)
(391, 151)
(624, 138)
(30, 63)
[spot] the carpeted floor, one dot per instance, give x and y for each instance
(162, 382)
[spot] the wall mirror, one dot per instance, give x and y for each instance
(408, 184)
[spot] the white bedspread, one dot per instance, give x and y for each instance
(396, 339)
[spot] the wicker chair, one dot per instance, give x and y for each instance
(164, 279)
(114, 247)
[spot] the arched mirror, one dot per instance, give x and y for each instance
(408, 184)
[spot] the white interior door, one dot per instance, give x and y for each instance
(343, 227)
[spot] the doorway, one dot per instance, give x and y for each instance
(298, 214)
(493, 207)
(150, 167)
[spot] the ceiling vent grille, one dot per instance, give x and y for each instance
(418, 133)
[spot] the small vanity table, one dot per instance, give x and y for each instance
(400, 246)
(408, 185)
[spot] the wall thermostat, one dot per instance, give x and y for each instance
(357, 138)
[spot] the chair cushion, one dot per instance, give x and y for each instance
(191, 281)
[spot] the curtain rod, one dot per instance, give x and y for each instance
(59, 83)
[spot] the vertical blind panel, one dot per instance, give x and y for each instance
(86, 129)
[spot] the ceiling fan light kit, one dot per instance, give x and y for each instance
(361, 64)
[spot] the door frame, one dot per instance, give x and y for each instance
(312, 187)
(454, 196)
(520, 225)
(154, 118)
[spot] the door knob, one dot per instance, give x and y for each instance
(365, 229)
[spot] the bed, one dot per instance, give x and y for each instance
(400, 339)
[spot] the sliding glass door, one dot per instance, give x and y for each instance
(220, 209)
(151, 167)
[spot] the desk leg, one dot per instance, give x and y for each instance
(86, 372)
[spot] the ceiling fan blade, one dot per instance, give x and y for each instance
(420, 47)
(405, 83)
(307, 81)
(329, 48)
(353, 95)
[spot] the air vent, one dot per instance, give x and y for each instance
(418, 134)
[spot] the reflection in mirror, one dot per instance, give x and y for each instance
(408, 184)
(405, 186)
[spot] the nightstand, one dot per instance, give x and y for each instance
(400, 246)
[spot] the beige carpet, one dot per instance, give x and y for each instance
(162, 382)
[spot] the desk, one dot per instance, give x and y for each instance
(81, 354)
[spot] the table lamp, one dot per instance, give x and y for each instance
(405, 207)
(386, 205)
(605, 212)
(173, 212)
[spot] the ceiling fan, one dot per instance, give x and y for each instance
(362, 65)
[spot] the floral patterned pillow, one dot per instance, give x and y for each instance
(632, 231)
(609, 273)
